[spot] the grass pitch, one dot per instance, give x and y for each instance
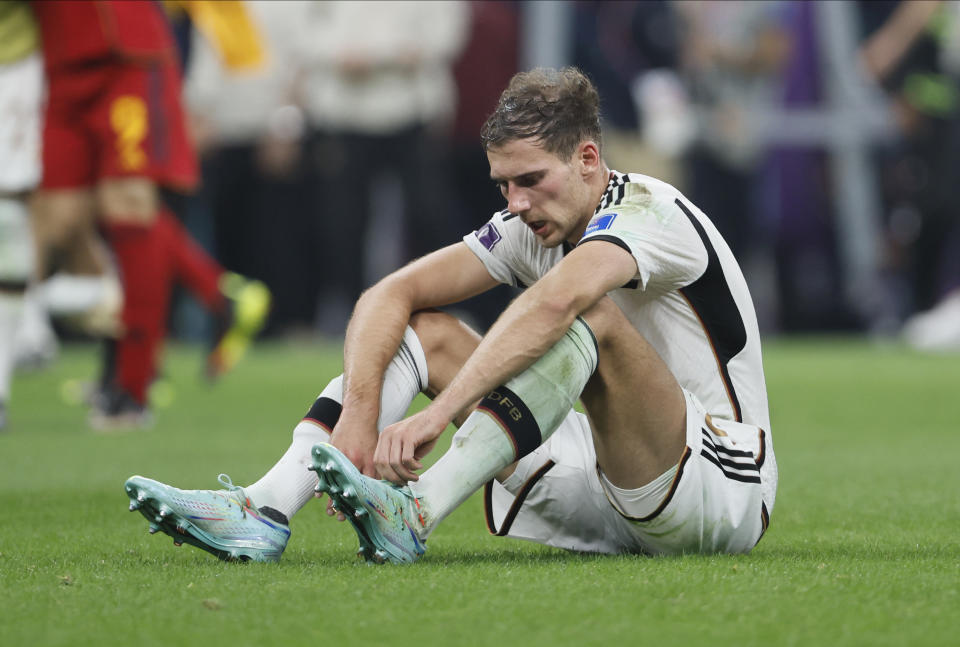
(862, 549)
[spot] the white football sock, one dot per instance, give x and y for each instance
(289, 485)
(501, 430)
(35, 338)
(16, 266)
(70, 294)
(11, 308)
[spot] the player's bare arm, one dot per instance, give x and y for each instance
(526, 330)
(446, 276)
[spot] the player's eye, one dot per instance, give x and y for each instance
(528, 181)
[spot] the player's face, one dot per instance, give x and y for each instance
(551, 195)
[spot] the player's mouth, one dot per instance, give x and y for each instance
(539, 227)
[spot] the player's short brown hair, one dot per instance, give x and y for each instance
(559, 108)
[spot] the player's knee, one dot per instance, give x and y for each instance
(607, 322)
(60, 215)
(429, 325)
(441, 334)
(134, 200)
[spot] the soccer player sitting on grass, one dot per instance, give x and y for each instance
(634, 305)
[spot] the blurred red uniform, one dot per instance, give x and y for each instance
(114, 105)
(114, 112)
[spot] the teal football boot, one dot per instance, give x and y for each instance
(222, 522)
(385, 517)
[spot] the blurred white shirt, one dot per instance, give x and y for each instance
(378, 67)
(241, 105)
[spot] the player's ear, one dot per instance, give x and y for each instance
(588, 157)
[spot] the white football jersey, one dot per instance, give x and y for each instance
(688, 299)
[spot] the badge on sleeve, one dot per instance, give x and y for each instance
(488, 236)
(600, 223)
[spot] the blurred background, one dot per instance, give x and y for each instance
(820, 137)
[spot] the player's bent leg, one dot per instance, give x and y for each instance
(289, 485)
(714, 500)
(279, 494)
(127, 210)
(87, 292)
(225, 523)
(509, 423)
(393, 522)
(447, 344)
(128, 199)
(379, 512)
(635, 405)
(558, 497)
(682, 482)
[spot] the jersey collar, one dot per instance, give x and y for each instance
(614, 191)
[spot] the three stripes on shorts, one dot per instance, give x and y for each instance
(734, 463)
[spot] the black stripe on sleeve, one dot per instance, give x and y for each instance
(515, 418)
(325, 412)
(632, 284)
(712, 301)
(610, 239)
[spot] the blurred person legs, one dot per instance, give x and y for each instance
(352, 167)
(153, 253)
(20, 96)
(16, 265)
(35, 344)
(76, 277)
(114, 132)
(264, 227)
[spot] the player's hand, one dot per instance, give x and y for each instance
(358, 443)
(404, 444)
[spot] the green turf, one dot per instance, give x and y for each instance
(862, 549)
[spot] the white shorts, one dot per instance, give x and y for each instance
(719, 500)
(21, 104)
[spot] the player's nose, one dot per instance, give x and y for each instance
(518, 202)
